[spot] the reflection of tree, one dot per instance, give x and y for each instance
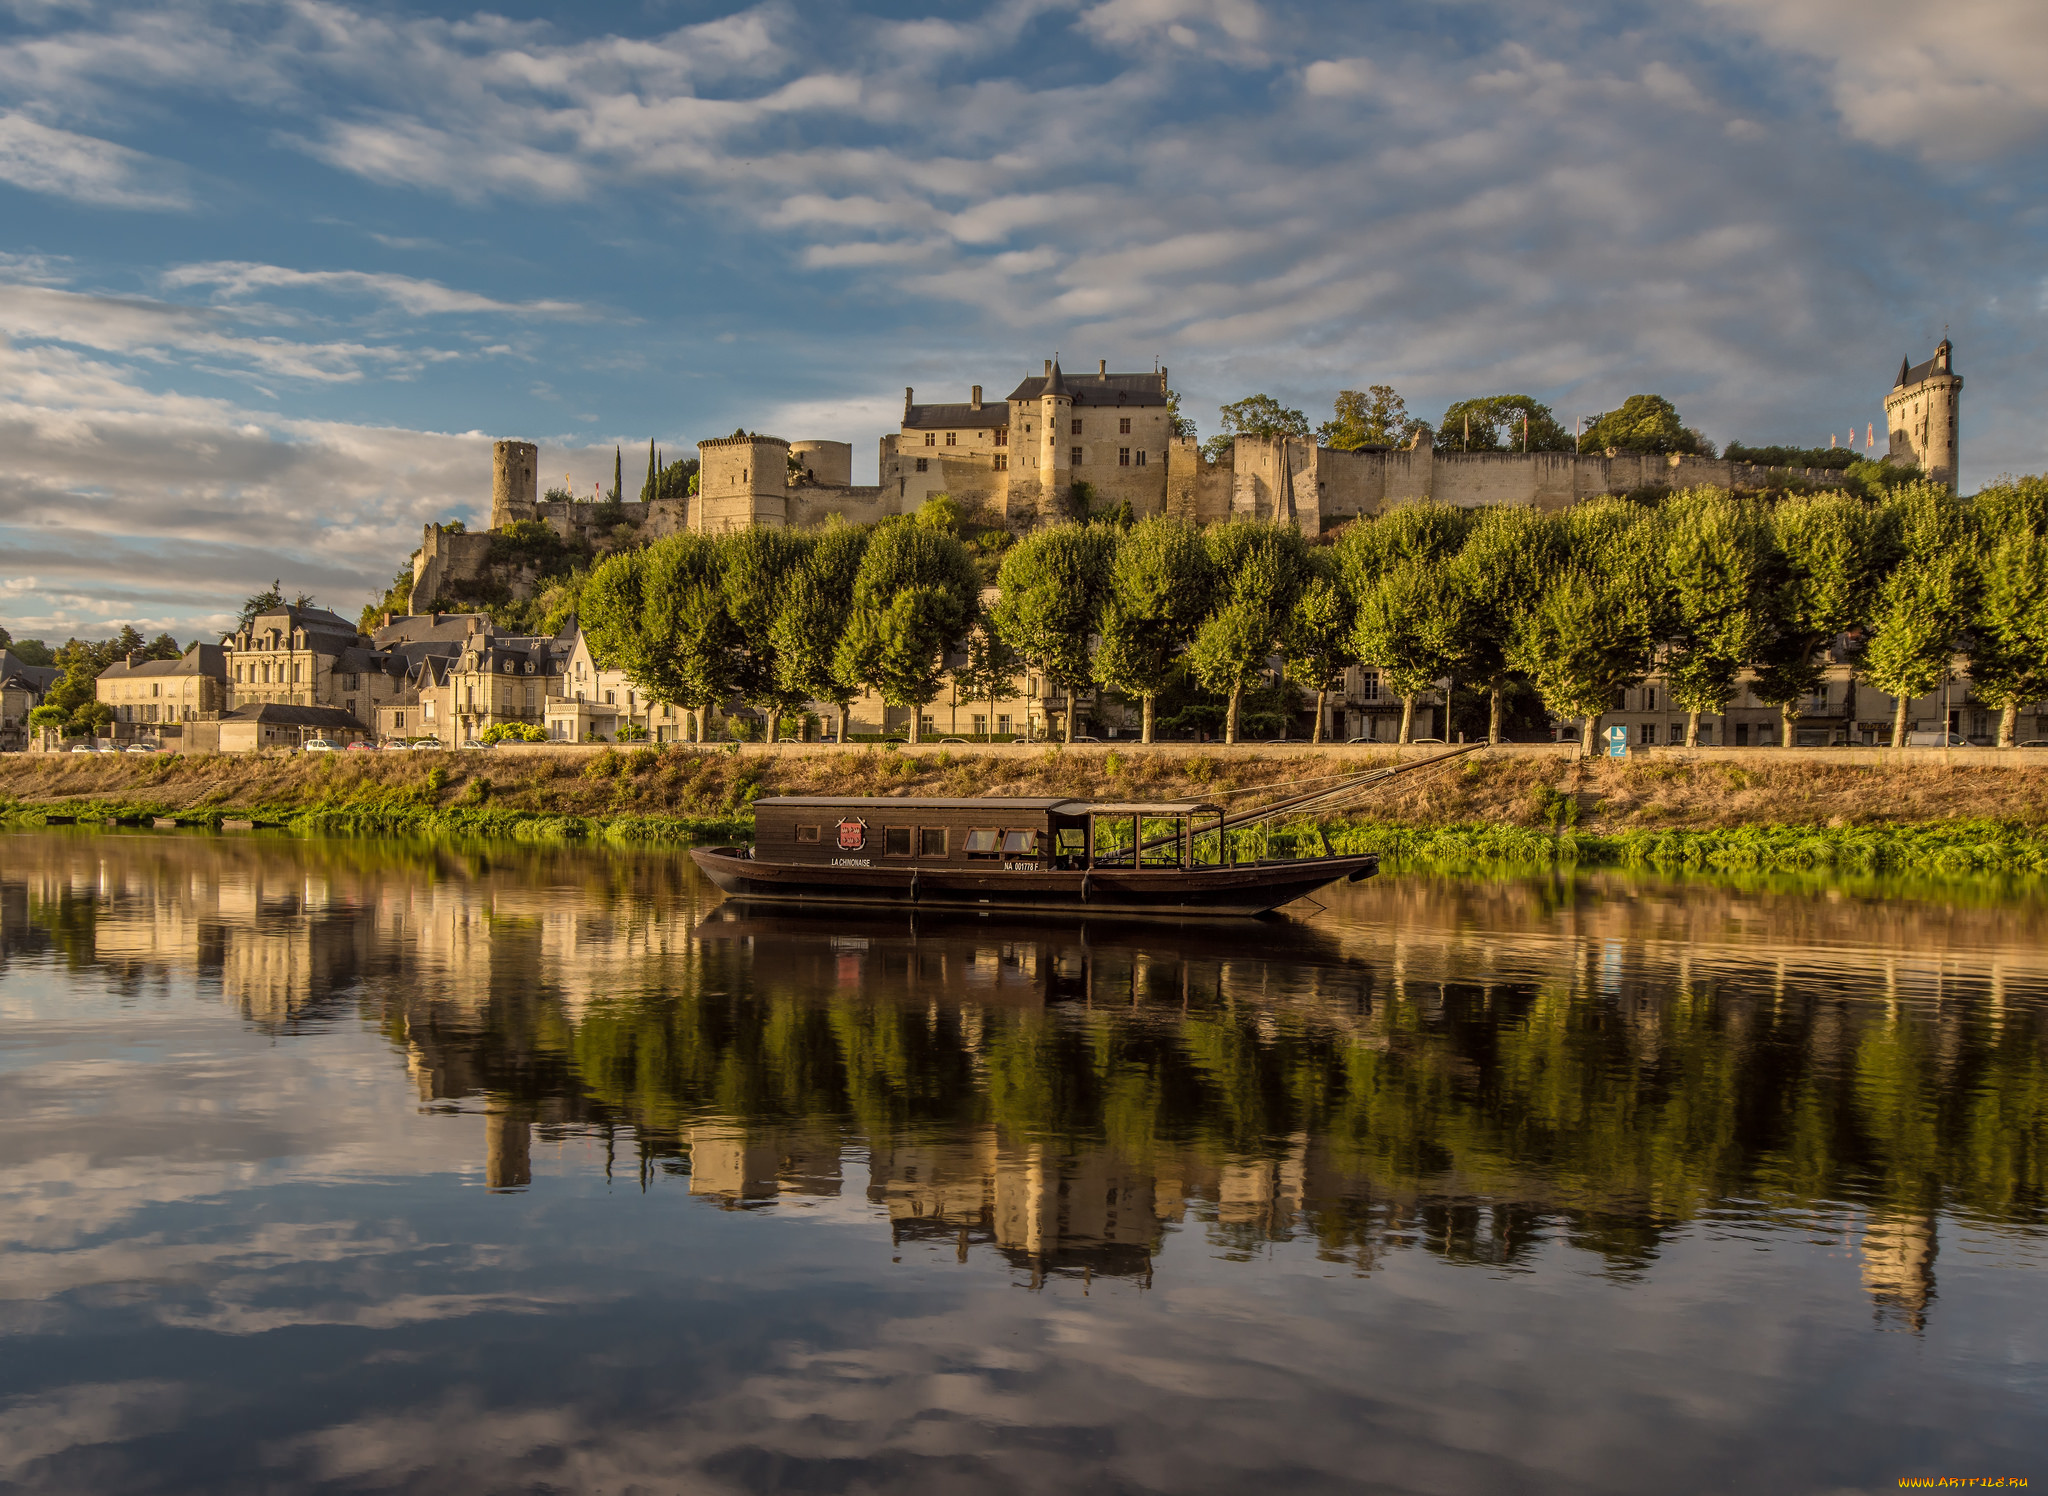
(1511, 1064)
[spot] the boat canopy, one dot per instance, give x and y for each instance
(1050, 804)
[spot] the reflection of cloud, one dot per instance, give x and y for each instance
(85, 1414)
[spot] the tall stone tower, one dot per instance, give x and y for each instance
(742, 480)
(1923, 413)
(515, 482)
(1055, 445)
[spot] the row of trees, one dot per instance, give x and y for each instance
(1581, 605)
(71, 703)
(1378, 417)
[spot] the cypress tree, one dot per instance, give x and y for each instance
(618, 474)
(653, 475)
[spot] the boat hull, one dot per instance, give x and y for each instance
(1248, 888)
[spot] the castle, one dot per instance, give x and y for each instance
(1027, 459)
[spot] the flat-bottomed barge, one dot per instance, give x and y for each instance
(1015, 854)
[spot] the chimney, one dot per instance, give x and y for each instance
(1048, 368)
(134, 658)
(1102, 368)
(977, 397)
(1162, 380)
(907, 393)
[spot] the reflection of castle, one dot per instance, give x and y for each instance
(1466, 1067)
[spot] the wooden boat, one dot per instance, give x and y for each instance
(1046, 855)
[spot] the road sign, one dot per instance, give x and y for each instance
(1617, 741)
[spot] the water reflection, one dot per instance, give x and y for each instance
(1469, 1069)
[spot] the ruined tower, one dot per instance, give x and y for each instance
(742, 480)
(515, 482)
(1923, 413)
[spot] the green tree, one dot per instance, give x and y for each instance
(1182, 426)
(1501, 423)
(990, 669)
(812, 620)
(915, 597)
(1157, 595)
(1828, 553)
(1053, 584)
(1423, 619)
(2009, 643)
(1260, 569)
(659, 615)
(32, 652)
(1255, 415)
(1509, 554)
(263, 602)
(1319, 644)
(162, 647)
(1372, 417)
(1718, 556)
(1645, 423)
(756, 566)
(618, 493)
(1925, 600)
(1593, 632)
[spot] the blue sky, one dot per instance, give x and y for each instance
(273, 275)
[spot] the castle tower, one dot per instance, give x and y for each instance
(1923, 413)
(515, 482)
(742, 480)
(1055, 455)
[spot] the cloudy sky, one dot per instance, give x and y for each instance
(272, 275)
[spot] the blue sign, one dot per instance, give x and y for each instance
(1617, 741)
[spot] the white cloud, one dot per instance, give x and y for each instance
(83, 168)
(407, 293)
(1956, 82)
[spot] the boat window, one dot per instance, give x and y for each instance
(895, 841)
(981, 842)
(1073, 839)
(931, 841)
(1020, 843)
(807, 833)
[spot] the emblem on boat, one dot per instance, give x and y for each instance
(853, 835)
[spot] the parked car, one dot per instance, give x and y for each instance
(1084, 738)
(319, 745)
(952, 740)
(359, 746)
(112, 748)
(2033, 743)
(478, 743)
(85, 748)
(144, 748)
(425, 745)
(1937, 740)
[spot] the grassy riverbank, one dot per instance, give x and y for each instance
(1761, 812)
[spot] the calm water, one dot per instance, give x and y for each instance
(351, 1166)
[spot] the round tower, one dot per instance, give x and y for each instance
(515, 482)
(742, 480)
(1923, 413)
(827, 464)
(1055, 454)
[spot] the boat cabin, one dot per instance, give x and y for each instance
(1022, 834)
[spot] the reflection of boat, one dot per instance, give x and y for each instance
(1055, 855)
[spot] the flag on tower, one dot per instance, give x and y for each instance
(1870, 436)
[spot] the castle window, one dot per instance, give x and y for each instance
(1141, 457)
(1077, 428)
(1076, 456)
(931, 438)
(1123, 455)
(1123, 426)
(923, 463)
(949, 437)
(1002, 462)
(1002, 436)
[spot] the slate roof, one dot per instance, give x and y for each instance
(37, 678)
(200, 659)
(1917, 372)
(993, 413)
(277, 714)
(1097, 389)
(422, 628)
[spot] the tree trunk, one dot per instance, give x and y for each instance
(1230, 719)
(1071, 694)
(1899, 721)
(774, 724)
(842, 724)
(1407, 719)
(1145, 731)
(992, 714)
(915, 713)
(1589, 734)
(1785, 721)
(1495, 704)
(2009, 723)
(1692, 729)
(1322, 695)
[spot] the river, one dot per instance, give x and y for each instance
(357, 1165)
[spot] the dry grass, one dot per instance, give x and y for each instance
(1600, 796)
